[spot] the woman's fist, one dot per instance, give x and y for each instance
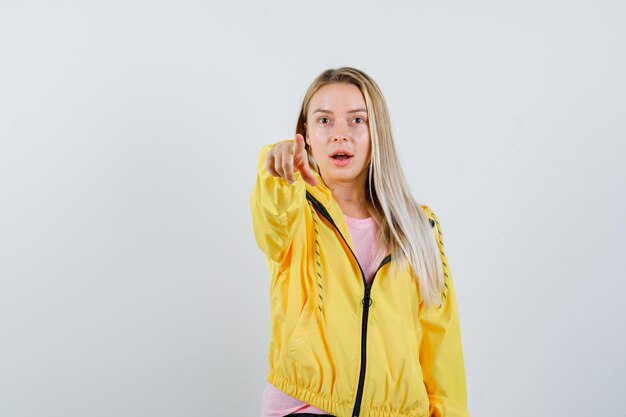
(287, 157)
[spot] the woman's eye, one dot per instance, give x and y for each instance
(323, 120)
(358, 120)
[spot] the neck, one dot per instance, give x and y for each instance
(350, 196)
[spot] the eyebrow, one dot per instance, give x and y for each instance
(359, 110)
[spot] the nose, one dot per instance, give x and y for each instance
(341, 132)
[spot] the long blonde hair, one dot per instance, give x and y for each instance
(401, 223)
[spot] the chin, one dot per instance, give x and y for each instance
(334, 173)
(340, 176)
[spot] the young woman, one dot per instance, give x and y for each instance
(364, 319)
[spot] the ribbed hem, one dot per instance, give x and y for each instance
(338, 409)
(315, 399)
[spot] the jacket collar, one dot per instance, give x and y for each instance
(324, 196)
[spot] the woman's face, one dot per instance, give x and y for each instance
(338, 133)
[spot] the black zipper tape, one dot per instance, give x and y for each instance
(367, 301)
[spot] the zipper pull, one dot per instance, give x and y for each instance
(367, 300)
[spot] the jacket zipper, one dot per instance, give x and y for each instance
(367, 302)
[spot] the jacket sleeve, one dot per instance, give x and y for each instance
(441, 352)
(277, 208)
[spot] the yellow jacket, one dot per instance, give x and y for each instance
(336, 343)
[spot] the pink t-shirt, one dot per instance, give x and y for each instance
(276, 403)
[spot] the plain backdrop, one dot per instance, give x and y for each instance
(130, 281)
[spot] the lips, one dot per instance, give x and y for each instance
(341, 158)
(341, 155)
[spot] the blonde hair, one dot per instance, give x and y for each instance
(401, 223)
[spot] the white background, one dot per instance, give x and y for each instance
(130, 282)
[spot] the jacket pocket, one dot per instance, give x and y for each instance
(299, 329)
(422, 396)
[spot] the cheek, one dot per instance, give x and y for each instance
(315, 147)
(364, 142)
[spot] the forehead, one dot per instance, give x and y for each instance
(337, 97)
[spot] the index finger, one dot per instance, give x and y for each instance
(299, 144)
(307, 173)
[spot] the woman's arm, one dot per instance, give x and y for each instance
(276, 204)
(441, 352)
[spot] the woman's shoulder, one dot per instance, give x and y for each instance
(429, 214)
(426, 208)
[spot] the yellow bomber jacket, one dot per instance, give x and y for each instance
(336, 343)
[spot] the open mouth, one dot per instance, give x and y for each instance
(341, 158)
(341, 155)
